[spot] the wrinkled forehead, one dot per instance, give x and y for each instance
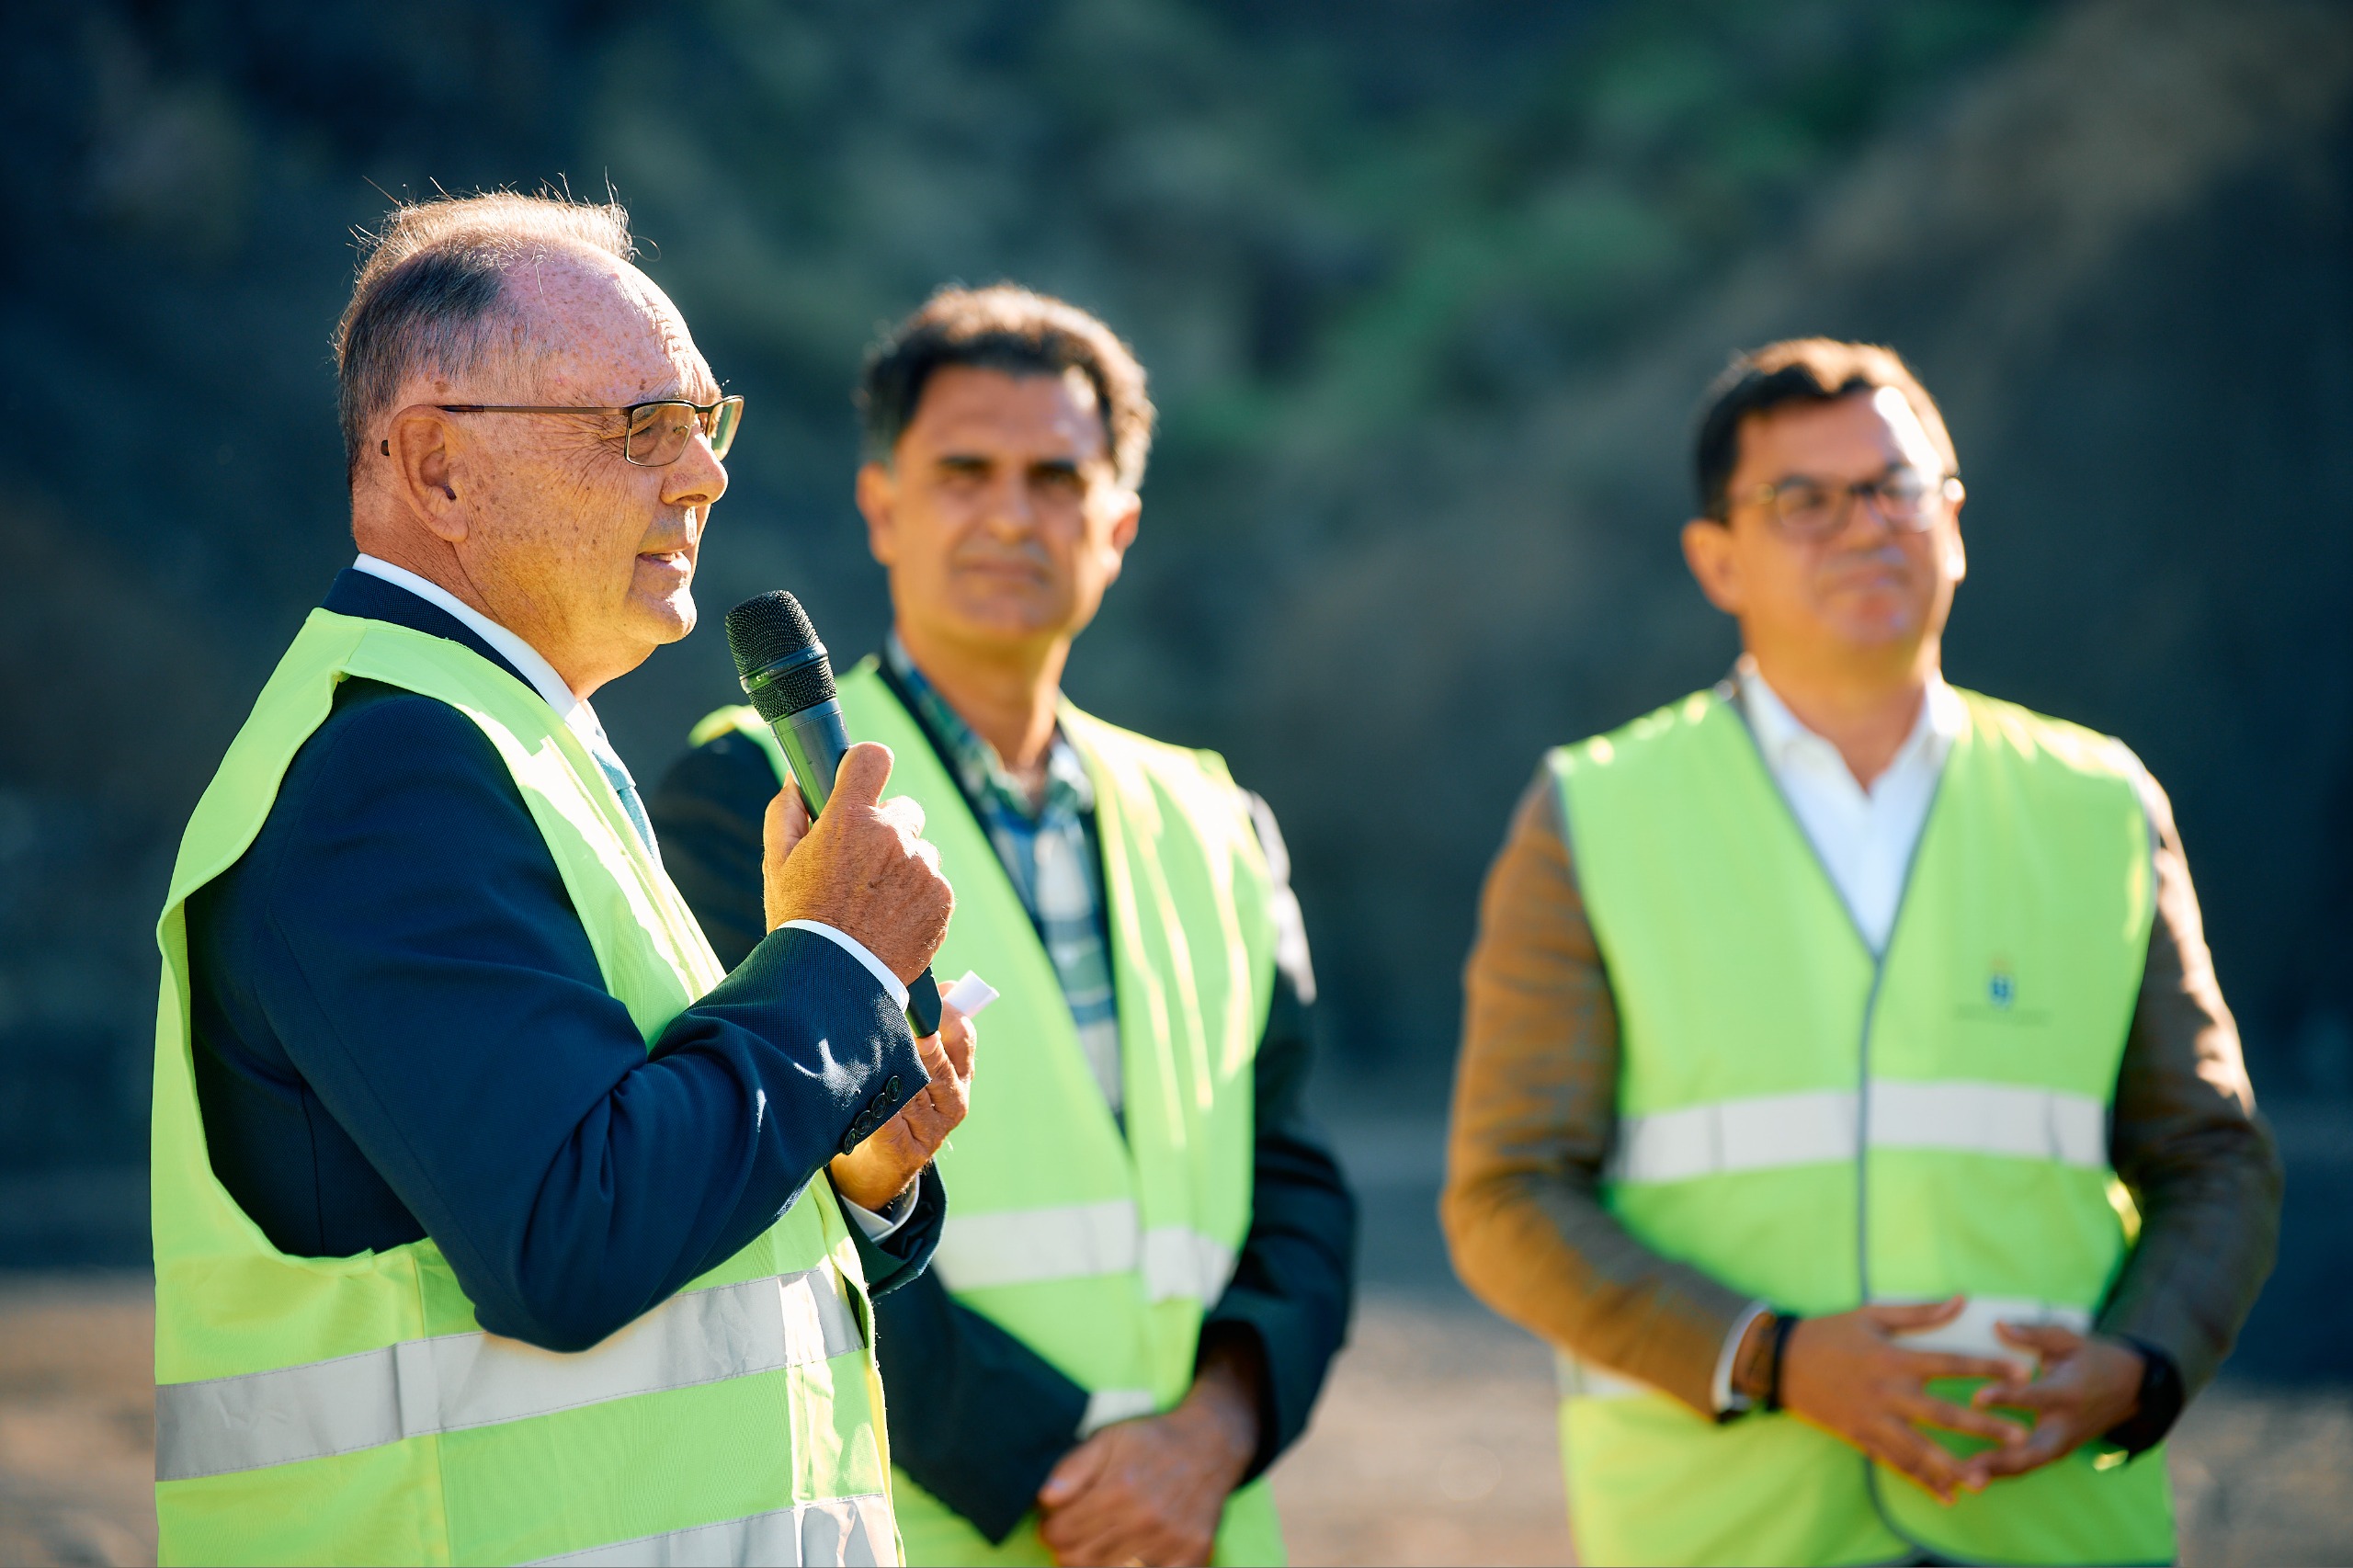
(1027, 414)
(598, 332)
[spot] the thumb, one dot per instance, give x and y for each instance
(957, 1037)
(1076, 1471)
(2045, 1338)
(865, 769)
(934, 1055)
(1909, 1318)
(786, 824)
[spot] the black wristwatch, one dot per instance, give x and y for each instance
(2161, 1402)
(1784, 1324)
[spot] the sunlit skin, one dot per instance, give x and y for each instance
(1848, 630)
(534, 519)
(1002, 520)
(540, 523)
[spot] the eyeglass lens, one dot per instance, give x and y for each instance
(658, 432)
(1903, 499)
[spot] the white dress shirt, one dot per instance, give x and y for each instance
(1863, 837)
(573, 711)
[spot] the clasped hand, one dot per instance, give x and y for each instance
(1850, 1376)
(865, 869)
(1152, 1490)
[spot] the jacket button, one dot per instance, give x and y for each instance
(891, 1089)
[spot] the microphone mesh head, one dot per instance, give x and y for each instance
(765, 632)
(761, 631)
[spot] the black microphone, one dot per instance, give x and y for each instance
(784, 670)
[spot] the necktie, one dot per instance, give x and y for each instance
(632, 803)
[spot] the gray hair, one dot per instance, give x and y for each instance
(431, 291)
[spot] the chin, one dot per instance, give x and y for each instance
(665, 619)
(1008, 619)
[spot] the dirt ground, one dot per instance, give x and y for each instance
(1435, 1444)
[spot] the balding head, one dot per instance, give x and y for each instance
(432, 301)
(490, 347)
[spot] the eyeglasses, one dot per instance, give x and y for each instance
(654, 435)
(1905, 499)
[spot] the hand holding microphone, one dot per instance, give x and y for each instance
(786, 672)
(861, 868)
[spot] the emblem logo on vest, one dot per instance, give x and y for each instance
(1995, 998)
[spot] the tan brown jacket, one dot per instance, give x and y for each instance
(1535, 1109)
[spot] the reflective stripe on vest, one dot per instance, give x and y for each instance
(1821, 1126)
(1030, 1246)
(351, 1409)
(852, 1531)
(1814, 1124)
(454, 1381)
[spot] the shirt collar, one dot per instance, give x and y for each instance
(574, 710)
(981, 770)
(1781, 734)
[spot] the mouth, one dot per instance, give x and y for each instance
(1003, 571)
(678, 563)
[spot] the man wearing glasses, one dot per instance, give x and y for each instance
(1846, 1091)
(493, 1220)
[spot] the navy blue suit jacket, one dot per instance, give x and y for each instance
(401, 1031)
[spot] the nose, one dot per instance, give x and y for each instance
(1876, 529)
(1010, 511)
(697, 479)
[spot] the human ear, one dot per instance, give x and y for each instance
(1707, 551)
(878, 503)
(426, 471)
(1956, 552)
(1125, 521)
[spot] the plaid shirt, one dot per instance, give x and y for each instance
(1049, 852)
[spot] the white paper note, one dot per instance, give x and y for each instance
(970, 994)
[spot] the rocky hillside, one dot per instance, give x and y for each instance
(1428, 293)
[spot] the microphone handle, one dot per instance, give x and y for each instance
(815, 740)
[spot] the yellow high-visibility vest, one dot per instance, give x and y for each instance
(1818, 1128)
(1099, 1252)
(350, 1409)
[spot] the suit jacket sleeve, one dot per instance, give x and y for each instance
(950, 1371)
(402, 927)
(1535, 1106)
(2201, 1164)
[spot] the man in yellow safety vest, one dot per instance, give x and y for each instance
(493, 1220)
(1147, 1268)
(1845, 1092)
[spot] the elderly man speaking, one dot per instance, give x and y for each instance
(494, 1222)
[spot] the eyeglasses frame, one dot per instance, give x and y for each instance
(1944, 487)
(706, 415)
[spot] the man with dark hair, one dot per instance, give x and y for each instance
(494, 1221)
(1147, 1269)
(1845, 1092)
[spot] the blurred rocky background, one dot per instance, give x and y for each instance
(1427, 293)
